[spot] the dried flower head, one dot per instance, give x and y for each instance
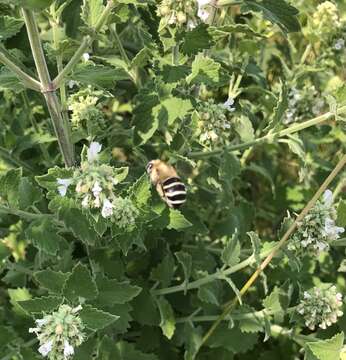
(59, 333)
(320, 306)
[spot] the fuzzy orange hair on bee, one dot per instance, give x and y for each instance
(167, 182)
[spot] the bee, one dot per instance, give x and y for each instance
(167, 182)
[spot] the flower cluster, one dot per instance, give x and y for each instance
(214, 126)
(59, 333)
(320, 307)
(94, 184)
(303, 104)
(85, 108)
(184, 13)
(125, 213)
(326, 21)
(317, 229)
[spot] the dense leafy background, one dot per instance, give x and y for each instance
(148, 106)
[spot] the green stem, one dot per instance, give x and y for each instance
(53, 104)
(13, 160)
(271, 136)
(27, 80)
(23, 214)
(86, 42)
(231, 304)
(59, 61)
(132, 72)
(209, 278)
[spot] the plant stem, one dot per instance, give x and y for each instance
(271, 136)
(53, 104)
(27, 80)
(230, 305)
(86, 42)
(132, 72)
(209, 278)
(23, 214)
(305, 54)
(13, 160)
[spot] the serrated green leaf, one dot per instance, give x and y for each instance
(196, 40)
(17, 295)
(177, 221)
(145, 310)
(49, 181)
(232, 339)
(43, 235)
(327, 349)
(127, 351)
(98, 75)
(9, 183)
(80, 284)
(280, 109)
(51, 280)
(9, 81)
(42, 304)
(167, 323)
(120, 174)
(175, 108)
(185, 260)
(140, 190)
(95, 319)
(78, 223)
(164, 271)
(115, 292)
(173, 74)
(243, 126)
(28, 194)
(278, 12)
(141, 58)
(9, 26)
(210, 292)
(204, 71)
(250, 322)
(91, 11)
(231, 253)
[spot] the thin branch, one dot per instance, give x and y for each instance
(13, 160)
(281, 243)
(53, 104)
(271, 136)
(86, 42)
(27, 80)
(209, 278)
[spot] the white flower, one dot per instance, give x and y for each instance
(340, 43)
(76, 309)
(72, 83)
(63, 184)
(228, 104)
(96, 190)
(97, 202)
(68, 349)
(328, 197)
(33, 330)
(191, 24)
(107, 208)
(331, 230)
(85, 202)
(86, 57)
(203, 14)
(203, 2)
(41, 322)
(46, 348)
(93, 151)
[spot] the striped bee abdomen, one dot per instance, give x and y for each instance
(174, 191)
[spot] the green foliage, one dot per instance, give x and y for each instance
(93, 261)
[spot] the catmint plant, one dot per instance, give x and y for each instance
(59, 333)
(321, 306)
(318, 229)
